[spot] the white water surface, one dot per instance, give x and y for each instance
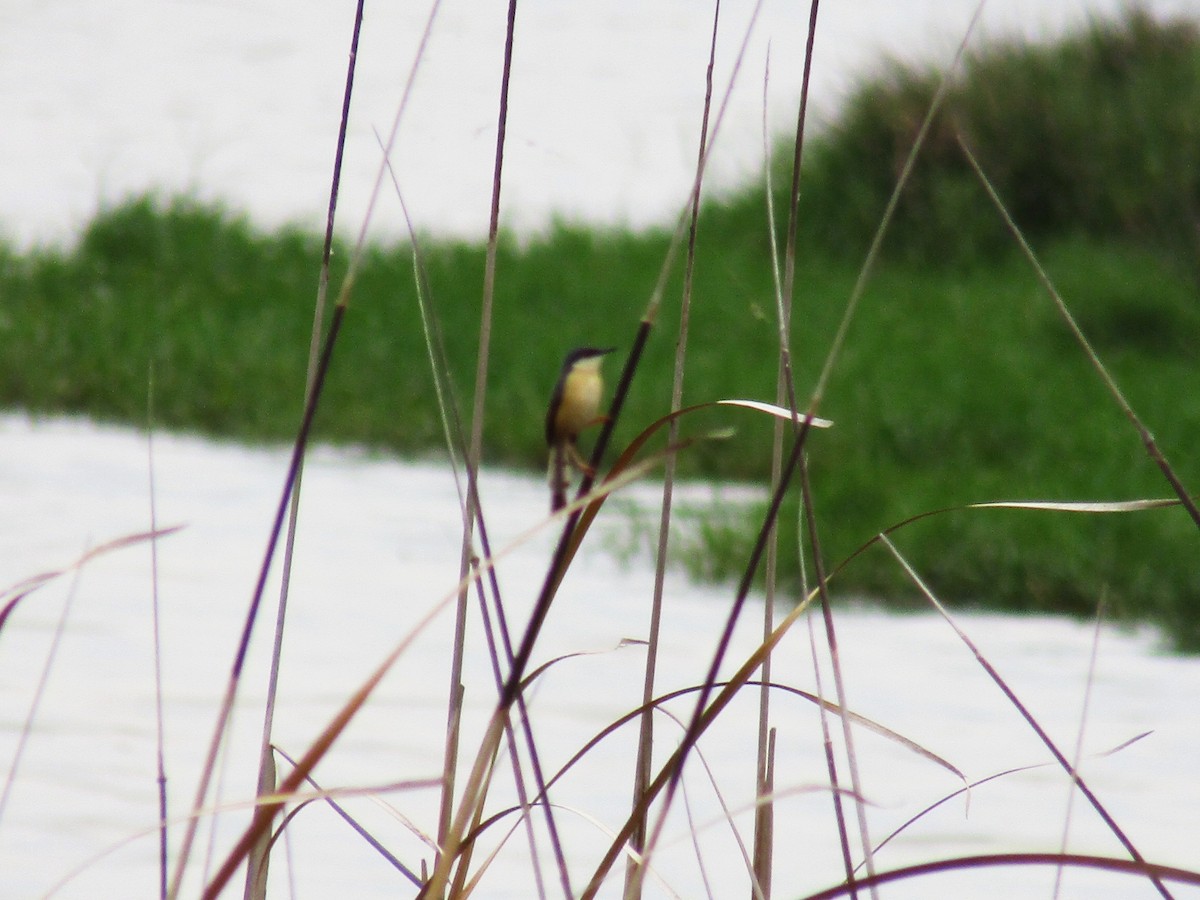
(239, 102)
(376, 552)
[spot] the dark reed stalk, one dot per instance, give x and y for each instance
(264, 813)
(243, 647)
(1060, 758)
(256, 865)
(643, 758)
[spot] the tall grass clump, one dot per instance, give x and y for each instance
(960, 389)
(166, 285)
(1095, 133)
(961, 381)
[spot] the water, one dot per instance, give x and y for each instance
(240, 102)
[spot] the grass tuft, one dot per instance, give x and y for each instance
(1095, 133)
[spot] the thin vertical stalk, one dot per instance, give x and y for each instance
(541, 608)
(456, 446)
(764, 809)
(785, 393)
(256, 867)
(156, 626)
(839, 688)
(1077, 755)
(473, 510)
(266, 811)
(243, 648)
(646, 733)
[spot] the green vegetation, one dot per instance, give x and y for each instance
(958, 382)
(1097, 134)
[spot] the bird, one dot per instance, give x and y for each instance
(574, 406)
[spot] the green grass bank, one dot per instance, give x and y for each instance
(958, 382)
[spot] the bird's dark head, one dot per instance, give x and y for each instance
(582, 353)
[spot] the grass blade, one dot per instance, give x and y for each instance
(156, 640)
(1104, 814)
(642, 759)
(1110, 384)
(990, 861)
(256, 868)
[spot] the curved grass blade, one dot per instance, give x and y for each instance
(13, 595)
(995, 860)
(974, 784)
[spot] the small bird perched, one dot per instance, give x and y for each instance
(574, 406)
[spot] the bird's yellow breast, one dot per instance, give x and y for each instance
(582, 392)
